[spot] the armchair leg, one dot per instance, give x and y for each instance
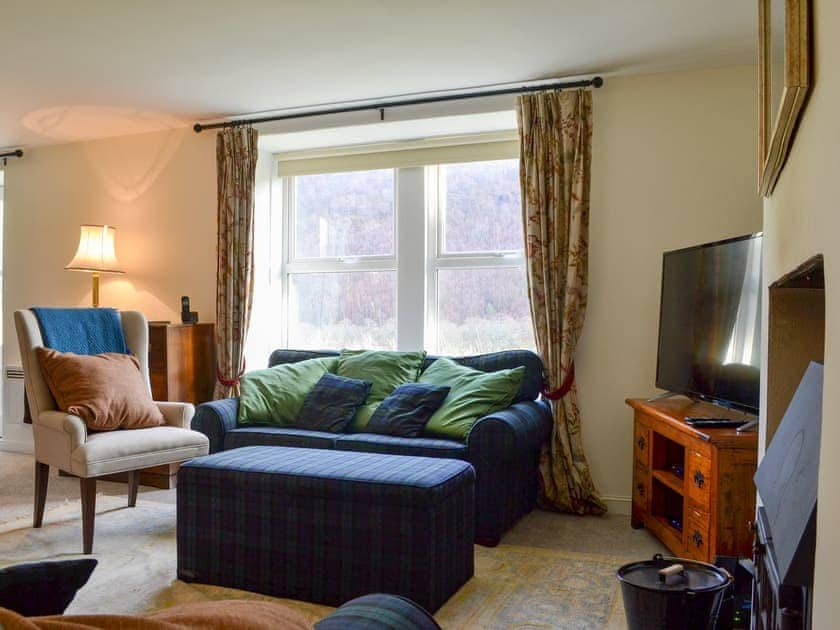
(133, 483)
(42, 478)
(88, 492)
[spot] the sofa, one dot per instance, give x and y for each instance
(503, 447)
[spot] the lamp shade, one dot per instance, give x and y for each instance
(96, 251)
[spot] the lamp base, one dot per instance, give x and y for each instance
(95, 291)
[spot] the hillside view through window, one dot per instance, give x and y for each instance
(342, 259)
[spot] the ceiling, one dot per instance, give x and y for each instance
(97, 68)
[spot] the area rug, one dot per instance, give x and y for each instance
(514, 586)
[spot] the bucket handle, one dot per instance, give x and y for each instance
(672, 574)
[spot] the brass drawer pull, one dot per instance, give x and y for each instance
(697, 539)
(699, 479)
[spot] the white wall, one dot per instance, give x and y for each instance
(802, 218)
(673, 165)
(158, 189)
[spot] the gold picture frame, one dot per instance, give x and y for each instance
(784, 62)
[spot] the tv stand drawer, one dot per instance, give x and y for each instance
(698, 473)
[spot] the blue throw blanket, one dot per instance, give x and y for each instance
(81, 330)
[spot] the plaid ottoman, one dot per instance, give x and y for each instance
(327, 526)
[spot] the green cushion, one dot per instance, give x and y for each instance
(472, 395)
(275, 395)
(385, 368)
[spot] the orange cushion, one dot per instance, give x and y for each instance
(105, 390)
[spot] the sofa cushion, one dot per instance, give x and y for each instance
(386, 369)
(472, 394)
(278, 436)
(332, 403)
(407, 409)
(392, 445)
(529, 389)
(532, 381)
(275, 395)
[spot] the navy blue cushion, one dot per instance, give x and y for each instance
(277, 436)
(407, 409)
(420, 447)
(332, 403)
(43, 588)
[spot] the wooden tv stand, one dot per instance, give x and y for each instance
(705, 512)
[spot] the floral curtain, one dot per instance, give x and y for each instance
(236, 161)
(555, 132)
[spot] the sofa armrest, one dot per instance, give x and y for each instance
(177, 414)
(72, 425)
(504, 448)
(216, 418)
(523, 426)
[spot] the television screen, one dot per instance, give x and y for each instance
(710, 322)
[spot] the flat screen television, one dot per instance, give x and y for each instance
(710, 322)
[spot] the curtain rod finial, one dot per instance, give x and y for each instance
(197, 127)
(597, 82)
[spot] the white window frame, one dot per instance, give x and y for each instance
(438, 259)
(291, 265)
(419, 203)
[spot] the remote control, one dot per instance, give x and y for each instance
(713, 423)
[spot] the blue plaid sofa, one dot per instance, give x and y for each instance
(503, 447)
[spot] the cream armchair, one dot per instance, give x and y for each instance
(62, 440)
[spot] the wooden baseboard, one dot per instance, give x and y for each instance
(163, 477)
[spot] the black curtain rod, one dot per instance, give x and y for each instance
(15, 153)
(382, 104)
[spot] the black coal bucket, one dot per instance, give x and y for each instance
(669, 593)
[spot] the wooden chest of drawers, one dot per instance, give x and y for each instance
(182, 362)
(182, 368)
(692, 489)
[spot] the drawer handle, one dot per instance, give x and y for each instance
(697, 538)
(641, 488)
(641, 442)
(699, 479)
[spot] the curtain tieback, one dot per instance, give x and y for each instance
(230, 382)
(565, 386)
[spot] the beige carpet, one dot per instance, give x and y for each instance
(552, 571)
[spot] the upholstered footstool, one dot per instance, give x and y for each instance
(327, 526)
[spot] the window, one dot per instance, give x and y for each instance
(477, 290)
(340, 275)
(422, 255)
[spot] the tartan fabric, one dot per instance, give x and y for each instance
(293, 356)
(326, 526)
(379, 611)
(214, 419)
(332, 403)
(504, 448)
(277, 436)
(421, 447)
(407, 409)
